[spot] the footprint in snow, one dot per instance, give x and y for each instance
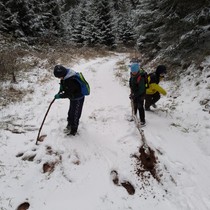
(126, 184)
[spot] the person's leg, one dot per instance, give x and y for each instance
(135, 105)
(148, 101)
(156, 97)
(141, 109)
(70, 113)
(75, 112)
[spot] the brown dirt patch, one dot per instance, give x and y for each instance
(23, 206)
(146, 162)
(129, 187)
(48, 167)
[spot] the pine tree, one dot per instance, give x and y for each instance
(17, 17)
(90, 32)
(79, 23)
(143, 18)
(105, 27)
(123, 26)
(93, 24)
(33, 18)
(48, 14)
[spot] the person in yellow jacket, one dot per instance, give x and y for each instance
(154, 90)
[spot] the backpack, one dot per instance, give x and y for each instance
(154, 78)
(145, 76)
(85, 88)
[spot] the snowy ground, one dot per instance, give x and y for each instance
(80, 169)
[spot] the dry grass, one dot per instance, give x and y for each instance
(17, 62)
(9, 63)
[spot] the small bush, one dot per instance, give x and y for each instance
(9, 64)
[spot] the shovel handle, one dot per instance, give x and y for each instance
(44, 120)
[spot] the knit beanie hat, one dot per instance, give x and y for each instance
(60, 71)
(135, 67)
(161, 69)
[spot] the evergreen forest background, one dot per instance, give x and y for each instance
(174, 32)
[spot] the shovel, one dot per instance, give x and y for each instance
(41, 138)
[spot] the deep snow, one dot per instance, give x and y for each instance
(177, 131)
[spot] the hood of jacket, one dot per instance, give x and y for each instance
(69, 73)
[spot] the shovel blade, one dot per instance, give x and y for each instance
(41, 138)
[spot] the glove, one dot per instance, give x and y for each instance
(57, 96)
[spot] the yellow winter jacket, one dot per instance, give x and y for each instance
(153, 88)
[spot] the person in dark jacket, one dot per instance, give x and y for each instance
(138, 89)
(154, 90)
(71, 89)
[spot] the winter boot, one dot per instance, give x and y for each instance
(67, 129)
(143, 123)
(154, 105)
(72, 132)
(147, 109)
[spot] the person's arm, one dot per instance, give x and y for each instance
(158, 88)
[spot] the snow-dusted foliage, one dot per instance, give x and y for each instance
(163, 30)
(32, 19)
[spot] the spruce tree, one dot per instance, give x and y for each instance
(105, 27)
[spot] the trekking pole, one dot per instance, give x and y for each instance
(39, 137)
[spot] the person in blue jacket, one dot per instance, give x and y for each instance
(71, 89)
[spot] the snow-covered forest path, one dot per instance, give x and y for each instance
(101, 167)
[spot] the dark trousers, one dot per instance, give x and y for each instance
(74, 113)
(151, 99)
(138, 104)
